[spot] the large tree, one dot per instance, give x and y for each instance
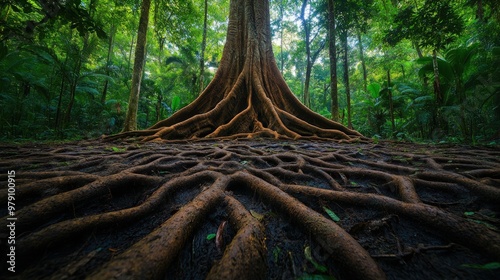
(248, 96)
(275, 209)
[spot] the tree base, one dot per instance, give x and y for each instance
(277, 208)
(248, 96)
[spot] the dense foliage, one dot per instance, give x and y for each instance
(66, 66)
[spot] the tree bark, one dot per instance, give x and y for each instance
(307, 34)
(282, 57)
(75, 78)
(310, 57)
(332, 51)
(437, 82)
(108, 62)
(248, 96)
(140, 54)
(203, 46)
(346, 78)
(391, 104)
(363, 63)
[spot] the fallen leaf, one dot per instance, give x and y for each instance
(488, 266)
(331, 214)
(256, 215)
(211, 236)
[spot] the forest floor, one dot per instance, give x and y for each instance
(101, 209)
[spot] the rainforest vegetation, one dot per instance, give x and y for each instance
(250, 139)
(66, 67)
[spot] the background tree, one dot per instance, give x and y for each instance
(312, 28)
(350, 13)
(434, 25)
(100, 98)
(130, 123)
(332, 55)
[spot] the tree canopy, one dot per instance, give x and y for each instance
(66, 66)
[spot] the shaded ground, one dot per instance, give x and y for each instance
(152, 210)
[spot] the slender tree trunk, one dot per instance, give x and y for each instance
(203, 46)
(75, 78)
(346, 78)
(332, 51)
(305, 25)
(363, 63)
(437, 83)
(419, 50)
(420, 55)
(59, 103)
(140, 54)
(108, 62)
(282, 58)
(391, 104)
(72, 93)
(158, 106)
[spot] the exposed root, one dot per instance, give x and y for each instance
(135, 210)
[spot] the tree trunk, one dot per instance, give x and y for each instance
(437, 83)
(248, 96)
(307, 34)
(58, 120)
(203, 46)
(282, 57)
(391, 104)
(140, 54)
(346, 78)
(75, 79)
(310, 57)
(363, 63)
(421, 55)
(332, 51)
(108, 62)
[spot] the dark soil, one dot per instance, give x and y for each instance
(99, 210)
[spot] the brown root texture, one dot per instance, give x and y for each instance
(97, 211)
(248, 96)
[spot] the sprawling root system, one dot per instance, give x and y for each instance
(253, 209)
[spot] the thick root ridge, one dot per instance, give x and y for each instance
(293, 208)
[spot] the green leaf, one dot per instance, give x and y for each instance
(257, 215)
(211, 236)
(117, 150)
(488, 266)
(469, 213)
(331, 214)
(374, 89)
(308, 255)
(176, 103)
